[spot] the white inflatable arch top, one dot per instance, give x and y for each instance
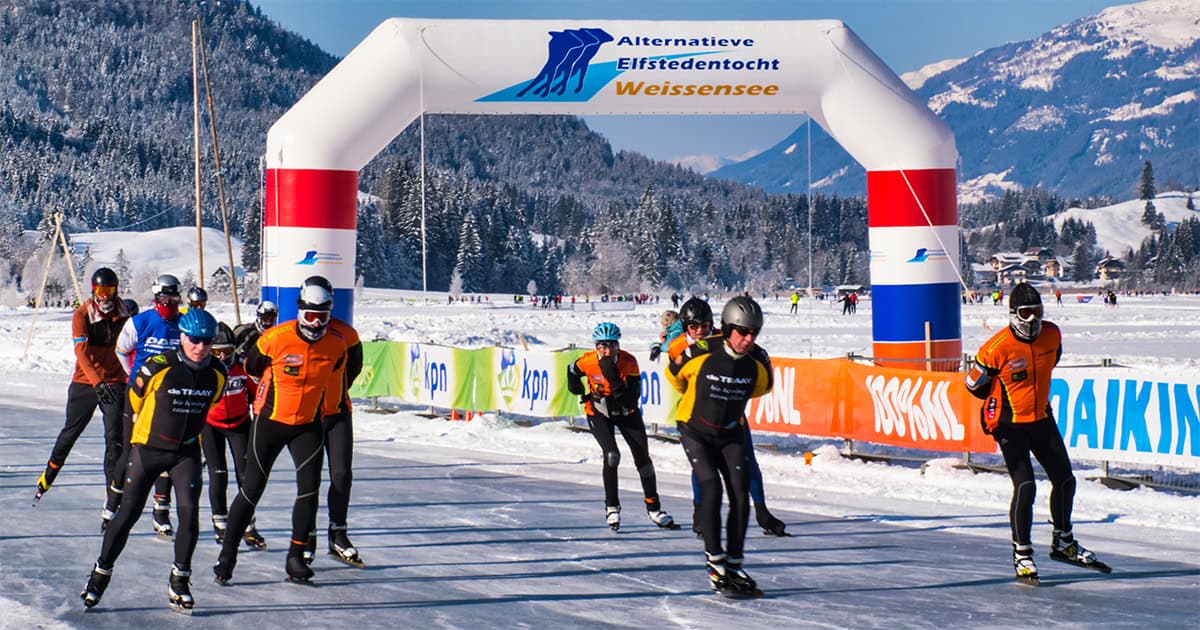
(820, 68)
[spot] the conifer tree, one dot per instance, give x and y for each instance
(1146, 185)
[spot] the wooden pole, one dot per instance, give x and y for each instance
(928, 349)
(62, 239)
(196, 149)
(212, 125)
(42, 290)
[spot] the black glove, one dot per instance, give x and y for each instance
(608, 367)
(655, 351)
(585, 399)
(107, 393)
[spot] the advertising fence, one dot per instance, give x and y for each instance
(1104, 414)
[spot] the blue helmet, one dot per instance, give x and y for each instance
(606, 331)
(198, 323)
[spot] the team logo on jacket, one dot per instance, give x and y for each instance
(291, 364)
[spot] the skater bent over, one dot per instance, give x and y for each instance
(170, 398)
(296, 362)
(717, 378)
(1012, 376)
(98, 380)
(611, 401)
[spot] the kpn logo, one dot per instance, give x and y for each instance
(508, 378)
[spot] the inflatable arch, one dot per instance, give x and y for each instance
(820, 68)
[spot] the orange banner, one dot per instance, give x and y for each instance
(839, 398)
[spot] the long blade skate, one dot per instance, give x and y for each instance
(298, 571)
(1088, 562)
(612, 516)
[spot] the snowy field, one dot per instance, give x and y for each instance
(493, 524)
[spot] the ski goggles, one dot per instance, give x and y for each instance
(198, 304)
(166, 300)
(313, 318)
(745, 332)
(199, 341)
(223, 352)
(1029, 313)
(102, 291)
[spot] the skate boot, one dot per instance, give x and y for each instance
(44, 482)
(716, 572)
(341, 548)
(310, 549)
(1023, 565)
(1065, 548)
(162, 520)
(612, 516)
(179, 591)
(223, 569)
(219, 521)
(738, 584)
(297, 568)
(112, 503)
(253, 539)
(97, 582)
(662, 519)
(770, 525)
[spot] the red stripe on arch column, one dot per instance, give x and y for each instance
(890, 201)
(311, 198)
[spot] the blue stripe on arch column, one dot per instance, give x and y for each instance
(899, 312)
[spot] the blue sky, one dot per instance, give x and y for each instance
(907, 34)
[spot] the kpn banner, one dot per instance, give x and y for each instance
(531, 383)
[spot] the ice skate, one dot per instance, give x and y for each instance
(1065, 548)
(254, 540)
(179, 591)
(219, 521)
(662, 519)
(162, 521)
(223, 570)
(341, 548)
(298, 571)
(1023, 565)
(612, 516)
(770, 525)
(97, 582)
(739, 584)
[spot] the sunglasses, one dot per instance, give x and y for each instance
(199, 341)
(1029, 313)
(313, 318)
(607, 344)
(200, 304)
(746, 332)
(697, 325)
(104, 291)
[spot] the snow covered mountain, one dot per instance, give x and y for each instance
(1076, 110)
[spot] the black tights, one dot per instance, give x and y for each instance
(339, 449)
(146, 464)
(267, 439)
(720, 460)
(1042, 439)
(633, 429)
(213, 440)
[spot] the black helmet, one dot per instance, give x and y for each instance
(197, 297)
(165, 285)
(695, 311)
(1025, 312)
(741, 311)
(224, 338)
(104, 298)
(104, 277)
(131, 305)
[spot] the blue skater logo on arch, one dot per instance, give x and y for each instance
(925, 254)
(314, 257)
(565, 75)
